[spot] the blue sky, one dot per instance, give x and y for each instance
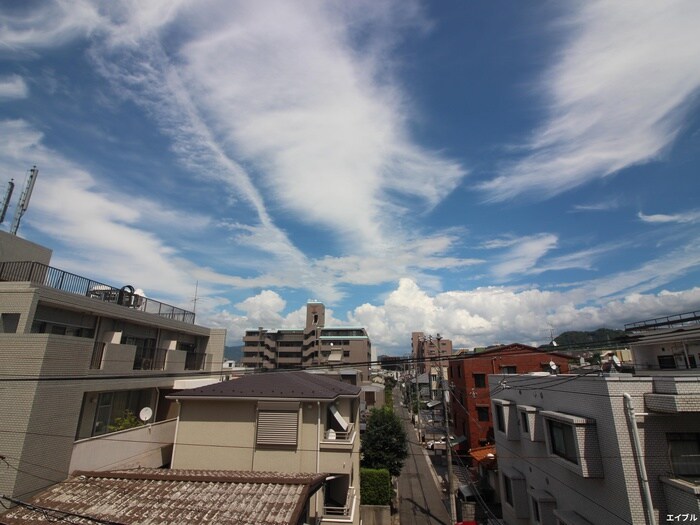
(492, 172)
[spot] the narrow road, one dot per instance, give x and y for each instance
(420, 500)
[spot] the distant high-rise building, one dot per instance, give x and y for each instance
(314, 345)
(431, 354)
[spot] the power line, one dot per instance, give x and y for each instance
(62, 514)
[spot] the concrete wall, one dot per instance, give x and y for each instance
(375, 514)
(145, 446)
(13, 248)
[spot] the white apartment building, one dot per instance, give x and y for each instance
(79, 362)
(566, 443)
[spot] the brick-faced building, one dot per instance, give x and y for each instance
(471, 412)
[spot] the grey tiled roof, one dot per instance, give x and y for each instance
(277, 385)
(155, 496)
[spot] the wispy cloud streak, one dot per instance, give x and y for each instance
(617, 95)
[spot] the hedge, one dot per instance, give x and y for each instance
(375, 486)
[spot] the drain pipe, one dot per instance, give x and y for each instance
(318, 449)
(639, 459)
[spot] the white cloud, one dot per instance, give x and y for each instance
(491, 315)
(617, 95)
(52, 23)
(13, 87)
(681, 218)
(606, 205)
(523, 255)
(325, 125)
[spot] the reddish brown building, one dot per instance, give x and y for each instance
(471, 406)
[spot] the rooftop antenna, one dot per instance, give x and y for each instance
(23, 203)
(194, 301)
(6, 201)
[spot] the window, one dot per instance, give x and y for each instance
(509, 369)
(666, 361)
(105, 412)
(505, 416)
(524, 423)
(561, 436)
(535, 511)
(572, 441)
(531, 425)
(515, 492)
(482, 413)
(500, 418)
(508, 486)
(277, 424)
(684, 450)
(542, 505)
(9, 323)
(480, 380)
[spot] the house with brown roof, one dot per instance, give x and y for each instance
(173, 497)
(277, 421)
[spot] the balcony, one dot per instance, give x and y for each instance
(41, 274)
(149, 358)
(336, 436)
(144, 446)
(339, 512)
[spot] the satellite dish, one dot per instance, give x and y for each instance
(146, 414)
(553, 367)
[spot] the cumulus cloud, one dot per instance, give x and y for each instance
(498, 314)
(617, 95)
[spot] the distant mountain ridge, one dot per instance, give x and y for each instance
(597, 337)
(233, 353)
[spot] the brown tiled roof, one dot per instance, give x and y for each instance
(481, 454)
(155, 496)
(277, 385)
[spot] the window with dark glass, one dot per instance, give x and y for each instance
(500, 418)
(684, 450)
(479, 380)
(563, 440)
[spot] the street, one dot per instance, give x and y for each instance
(420, 499)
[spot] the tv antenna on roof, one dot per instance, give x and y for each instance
(23, 203)
(6, 201)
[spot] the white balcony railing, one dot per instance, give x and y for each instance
(336, 435)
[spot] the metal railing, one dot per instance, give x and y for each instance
(336, 435)
(194, 361)
(150, 358)
(38, 273)
(344, 511)
(663, 322)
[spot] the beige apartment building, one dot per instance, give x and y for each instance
(314, 345)
(77, 358)
(614, 446)
(283, 421)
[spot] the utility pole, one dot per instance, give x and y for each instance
(448, 441)
(418, 424)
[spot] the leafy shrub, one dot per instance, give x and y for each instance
(375, 486)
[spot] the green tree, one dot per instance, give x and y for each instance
(384, 443)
